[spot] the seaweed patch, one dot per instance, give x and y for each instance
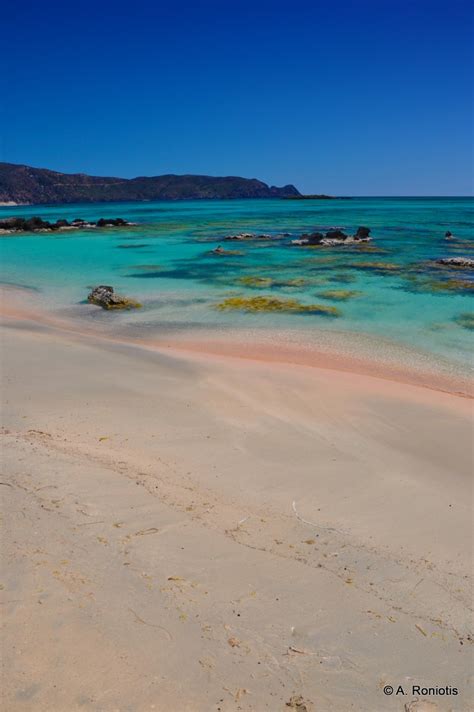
(265, 282)
(466, 320)
(340, 294)
(273, 304)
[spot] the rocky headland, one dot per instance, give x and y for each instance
(25, 185)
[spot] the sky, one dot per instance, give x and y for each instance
(347, 98)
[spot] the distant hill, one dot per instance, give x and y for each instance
(33, 186)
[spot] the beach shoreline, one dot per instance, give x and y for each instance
(411, 368)
(277, 529)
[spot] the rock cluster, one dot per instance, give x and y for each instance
(465, 262)
(334, 237)
(104, 296)
(111, 222)
(248, 236)
(36, 224)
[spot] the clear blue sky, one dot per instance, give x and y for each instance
(352, 98)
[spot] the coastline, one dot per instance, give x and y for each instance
(343, 352)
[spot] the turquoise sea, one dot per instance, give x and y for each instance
(389, 288)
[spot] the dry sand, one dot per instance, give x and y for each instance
(187, 532)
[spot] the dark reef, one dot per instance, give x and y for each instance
(35, 224)
(334, 237)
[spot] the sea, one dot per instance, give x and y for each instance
(390, 291)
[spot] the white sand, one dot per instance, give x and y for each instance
(153, 558)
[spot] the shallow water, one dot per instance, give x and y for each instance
(387, 289)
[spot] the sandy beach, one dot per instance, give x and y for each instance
(190, 531)
(237, 357)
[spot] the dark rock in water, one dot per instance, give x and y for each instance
(362, 233)
(133, 246)
(336, 235)
(105, 297)
(10, 224)
(333, 237)
(313, 238)
(38, 224)
(7, 223)
(247, 236)
(115, 222)
(34, 224)
(463, 262)
(26, 224)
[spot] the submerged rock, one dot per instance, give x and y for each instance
(464, 262)
(104, 296)
(342, 278)
(248, 236)
(450, 285)
(379, 267)
(273, 304)
(425, 283)
(257, 282)
(133, 246)
(220, 251)
(466, 320)
(340, 295)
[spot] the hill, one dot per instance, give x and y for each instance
(25, 185)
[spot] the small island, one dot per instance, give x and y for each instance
(310, 197)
